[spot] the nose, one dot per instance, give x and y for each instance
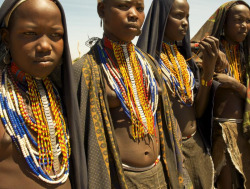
(184, 22)
(133, 14)
(244, 24)
(43, 44)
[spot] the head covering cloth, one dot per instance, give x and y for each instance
(78, 169)
(214, 26)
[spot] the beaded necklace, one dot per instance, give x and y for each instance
(134, 84)
(233, 57)
(42, 155)
(177, 74)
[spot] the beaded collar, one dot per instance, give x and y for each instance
(48, 155)
(232, 52)
(132, 79)
(177, 74)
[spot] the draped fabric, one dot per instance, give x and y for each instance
(103, 159)
(214, 26)
(62, 77)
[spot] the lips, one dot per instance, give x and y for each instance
(43, 60)
(135, 26)
(184, 31)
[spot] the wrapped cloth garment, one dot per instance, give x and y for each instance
(151, 179)
(228, 142)
(196, 161)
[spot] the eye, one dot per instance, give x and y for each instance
(179, 16)
(140, 9)
(123, 6)
(56, 35)
(30, 33)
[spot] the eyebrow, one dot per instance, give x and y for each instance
(130, 1)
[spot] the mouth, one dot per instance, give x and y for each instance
(43, 60)
(243, 33)
(133, 26)
(184, 32)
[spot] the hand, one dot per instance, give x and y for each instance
(210, 49)
(221, 63)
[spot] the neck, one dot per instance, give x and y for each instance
(109, 43)
(168, 41)
(18, 75)
(231, 42)
(115, 39)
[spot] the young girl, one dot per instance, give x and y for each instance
(165, 36)
(230, 150)
(129, 131)
(34, 139)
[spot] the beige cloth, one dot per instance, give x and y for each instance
(150, 179)
(198, 163)
(228, 139)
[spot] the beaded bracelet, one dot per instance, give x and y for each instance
(206, 83)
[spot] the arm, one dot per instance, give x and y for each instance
(229, 82)
(210, 49)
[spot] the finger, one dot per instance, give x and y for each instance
(206, 47)
(216, 40)
(214, 44)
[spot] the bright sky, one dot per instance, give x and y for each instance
(83, 21)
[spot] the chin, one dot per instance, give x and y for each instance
(41, 74)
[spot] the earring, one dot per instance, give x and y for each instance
(6, 58)
(101, 23)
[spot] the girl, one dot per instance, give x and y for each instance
(165, 36)
(230, 150)
(34, 139)
(129, 131)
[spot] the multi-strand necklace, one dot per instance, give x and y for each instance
(48, 155)
(233, 57)
(177, 74)
(132, 79)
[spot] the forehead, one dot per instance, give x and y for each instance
(126, 1)
(36, 10)
(239, 9)
(180, 4)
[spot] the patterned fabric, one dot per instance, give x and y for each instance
(214, 27)
(103, 159)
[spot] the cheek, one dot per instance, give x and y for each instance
(58, 48)
(23, 52)
(141, 19)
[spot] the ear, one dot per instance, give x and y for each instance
(5, 36)
(100, 9)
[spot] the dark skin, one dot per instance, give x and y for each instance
(122, 20)
(35, 40)
(176, 29)
(231, 94)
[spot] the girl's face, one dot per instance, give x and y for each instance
(177, 23)
(122, 19)
(237, 23)
(35, 37)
